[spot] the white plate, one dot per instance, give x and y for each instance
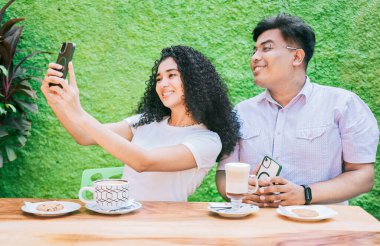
(134, 206)
(323, 211)
(68, 207)
(224, 209)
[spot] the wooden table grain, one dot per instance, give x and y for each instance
(178, 223)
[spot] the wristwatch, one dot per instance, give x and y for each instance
(308, 195)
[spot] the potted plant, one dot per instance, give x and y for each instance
(17, 97)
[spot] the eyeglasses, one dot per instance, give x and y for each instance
(291, 48)
(268, 47)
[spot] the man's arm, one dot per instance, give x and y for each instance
(355, 180)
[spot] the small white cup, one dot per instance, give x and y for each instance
(109, 194)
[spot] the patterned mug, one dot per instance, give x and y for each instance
(109, 194)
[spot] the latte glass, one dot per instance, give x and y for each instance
(237, 175)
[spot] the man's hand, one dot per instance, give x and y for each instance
(254, 198)
(276, 191)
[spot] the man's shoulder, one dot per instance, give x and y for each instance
(326, 91)
(250, 102)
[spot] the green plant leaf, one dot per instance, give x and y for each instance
(22, 140)
(29, 92)
(37, 79)
(28, 56)
(20, 96)
(25, 84)
(5, 8)
(1, 159)
(9, 24)
(3, 132)
(10, 153)
(2, 110)
(8, 105)
(11, 39)
(4, 70)
(27, 105)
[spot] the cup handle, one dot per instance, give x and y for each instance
(251, 191)
(90, 189)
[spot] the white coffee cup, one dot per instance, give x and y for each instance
(237, 175)
(109, 194)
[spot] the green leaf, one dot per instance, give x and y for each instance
(3, 132)
(28, 105)
(4, 70)
(1, 160)
(8, 105)
(25, 84)
(2, 110)
(10, 153)
(22, 140)
(37, 79)
(28, 92)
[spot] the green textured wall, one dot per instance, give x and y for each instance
(117, 42)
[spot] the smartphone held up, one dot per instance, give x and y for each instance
(64, 57)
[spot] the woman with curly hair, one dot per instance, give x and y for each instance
(185, 123)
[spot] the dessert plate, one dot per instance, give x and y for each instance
(68, 207)
(134, 206)
(307, 213)
(225, 210)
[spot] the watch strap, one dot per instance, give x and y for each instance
(308, 196)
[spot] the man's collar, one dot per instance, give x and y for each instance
(305, 91)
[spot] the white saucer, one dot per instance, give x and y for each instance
(224, 209)
(68, 207)
(323, 211)
(134, 206)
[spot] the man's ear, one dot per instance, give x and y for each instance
(299, 55)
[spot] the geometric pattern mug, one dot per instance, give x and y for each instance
(109, 194)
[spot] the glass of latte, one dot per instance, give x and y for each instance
(237, 187)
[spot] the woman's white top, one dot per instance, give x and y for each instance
(204, 144)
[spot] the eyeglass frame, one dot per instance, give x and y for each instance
(286, 47)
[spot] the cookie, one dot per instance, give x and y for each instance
(305, 212)
(50, 207)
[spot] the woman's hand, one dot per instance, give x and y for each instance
(52, 76)
(67, 97)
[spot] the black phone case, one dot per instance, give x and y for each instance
(64, 57)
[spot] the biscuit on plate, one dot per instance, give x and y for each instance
(50, 207)
(305, 212)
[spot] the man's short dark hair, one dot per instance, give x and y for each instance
(293, 29)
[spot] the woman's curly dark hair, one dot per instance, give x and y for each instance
(205, 96)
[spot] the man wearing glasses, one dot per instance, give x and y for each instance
(325, 138)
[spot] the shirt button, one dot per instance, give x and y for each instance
(278, 133)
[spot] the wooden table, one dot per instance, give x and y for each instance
(173, 223)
